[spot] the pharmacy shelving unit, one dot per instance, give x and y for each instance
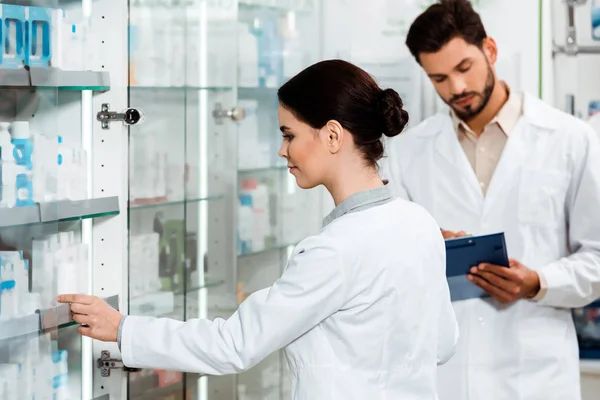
(572, 61)
(209, 138)
(58, 213)
(154, 102)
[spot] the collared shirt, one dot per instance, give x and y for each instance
(360, 201)
(484, 151)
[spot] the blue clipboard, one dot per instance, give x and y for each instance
(466, 252)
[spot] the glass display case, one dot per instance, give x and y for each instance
(212, 212)
(47, 207)
(576, 84)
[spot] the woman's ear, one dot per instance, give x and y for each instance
(334, 135)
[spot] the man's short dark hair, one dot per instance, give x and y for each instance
(442, 22)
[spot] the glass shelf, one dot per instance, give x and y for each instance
(267, 249)
(304, 6)
(275, 168)
(60, 211)
(167, 392)
(53, 318)
(181, 88)
(253, 92)
(54, 78)
(207, 285)
(163, 303)
(161, 204)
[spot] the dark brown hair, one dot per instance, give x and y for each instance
(442, 22)
(337, 90)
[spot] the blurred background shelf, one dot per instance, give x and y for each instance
(181, 88)
(54, 78)
(164, 303)
(262, 170)
(301, 6)
(59, 211)
(267, 249)
(150, 204)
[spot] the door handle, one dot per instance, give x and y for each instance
(235, 113)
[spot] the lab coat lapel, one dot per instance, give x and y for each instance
(519, 146)
(455, 166)
(511, 161)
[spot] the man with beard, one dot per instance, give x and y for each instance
(503, 161)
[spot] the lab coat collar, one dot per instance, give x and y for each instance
(360, 201)
(539, 113)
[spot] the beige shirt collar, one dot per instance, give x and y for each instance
(507, 117)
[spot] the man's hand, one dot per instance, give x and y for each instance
(98, 319)
(451, 234)
(506, 284)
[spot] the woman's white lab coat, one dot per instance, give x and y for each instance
(362, 310)
(545, 196)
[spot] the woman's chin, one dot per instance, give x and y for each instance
(303, 184)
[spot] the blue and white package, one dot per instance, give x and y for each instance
(270, 52)
(593, 107)
(595, 12)
(13, 36)
(38, 42)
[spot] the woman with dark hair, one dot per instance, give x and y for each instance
(363, 308)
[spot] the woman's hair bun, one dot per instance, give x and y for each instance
(393, 117)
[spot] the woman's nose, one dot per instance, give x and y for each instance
(282, 151)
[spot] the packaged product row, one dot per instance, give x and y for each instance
(267, 217)
(37, 167)
(35, 368)
(42, 37)
(264, 49)
(162, 260)
(58, 265)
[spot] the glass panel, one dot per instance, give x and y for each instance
(157, 223)
(277, 39)
(44, 74)
(182, 69)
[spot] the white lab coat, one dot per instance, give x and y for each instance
(545, 196)
(362, 309)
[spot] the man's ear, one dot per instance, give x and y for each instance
(490, 49)
(334, 136)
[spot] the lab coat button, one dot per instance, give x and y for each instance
(481, 320)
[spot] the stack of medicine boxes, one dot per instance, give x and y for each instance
(26, 36)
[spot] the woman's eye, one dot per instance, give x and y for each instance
(288, 137)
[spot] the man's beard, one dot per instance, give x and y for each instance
(468, 112)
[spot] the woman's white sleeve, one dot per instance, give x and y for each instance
(312, 287)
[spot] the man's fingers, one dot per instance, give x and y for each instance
(79, 308)
(497, 293)
(76, 298)
(501, 283)
(507, 273)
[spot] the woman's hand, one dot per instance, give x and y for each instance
(98, 319)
